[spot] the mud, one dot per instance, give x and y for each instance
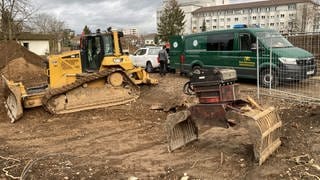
(19, 70)
(10, 50)
(129, 140)
(21, 65)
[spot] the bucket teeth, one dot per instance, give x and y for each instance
(181, 130)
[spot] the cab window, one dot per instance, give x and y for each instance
(246, 41)
(141, 52)
(108, 45)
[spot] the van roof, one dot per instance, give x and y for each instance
(251, 30)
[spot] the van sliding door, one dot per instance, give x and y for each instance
(220, 50)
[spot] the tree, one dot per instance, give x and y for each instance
(171, 21)
(14, 13)
(86, 30)
(47, 24)
(204, 27)
(156, 39)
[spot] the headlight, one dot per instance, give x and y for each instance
(285, 60)
(117, 60)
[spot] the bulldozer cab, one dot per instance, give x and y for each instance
(92, 53)
(95, 47)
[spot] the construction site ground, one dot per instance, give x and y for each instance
(130, 141)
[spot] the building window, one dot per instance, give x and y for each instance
(263, 17)
(228, 26)
(221, 19)
(214, 27)
(271, 24)
(254, 17)
(214, 20)
(228, 19)
(292, 7)
(282, 16)
(236, 19)
(207, 21)
(26, 45)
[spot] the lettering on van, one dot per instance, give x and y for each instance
(247, 62)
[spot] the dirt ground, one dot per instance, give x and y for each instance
(130, 141)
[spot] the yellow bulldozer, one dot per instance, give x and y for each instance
(98, 75)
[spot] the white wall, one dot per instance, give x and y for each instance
(39, 47)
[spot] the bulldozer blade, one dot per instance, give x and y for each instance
(13, 102)
(181, 130)
(264, 130)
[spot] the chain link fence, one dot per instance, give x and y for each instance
(289, 66)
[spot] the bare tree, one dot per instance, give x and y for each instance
(14, 13)
(47, 24)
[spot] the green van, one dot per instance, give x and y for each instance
(236, 48)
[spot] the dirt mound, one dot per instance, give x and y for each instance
(19, 70)
(11, 50)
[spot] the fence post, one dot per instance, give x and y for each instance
(258, 71)
(270, 68)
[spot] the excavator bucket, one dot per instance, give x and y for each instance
(13, 102)
(181, 130)
(264, 130)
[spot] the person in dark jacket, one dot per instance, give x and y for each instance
(163, 60)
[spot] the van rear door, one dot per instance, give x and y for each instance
(176, 52)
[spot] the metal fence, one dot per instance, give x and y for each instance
(286, 71)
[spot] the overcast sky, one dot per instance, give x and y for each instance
(105, 13)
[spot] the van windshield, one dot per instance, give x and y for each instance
(273, 39)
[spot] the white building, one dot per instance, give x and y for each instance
(36, 43)
(189, 6)
(282, 15)
(149, 39)
(131, 31)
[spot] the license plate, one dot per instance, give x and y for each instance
(310, 72)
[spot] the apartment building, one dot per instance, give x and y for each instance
(131, 31)
(189, 6)
(283, 15)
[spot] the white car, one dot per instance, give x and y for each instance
(146, 57)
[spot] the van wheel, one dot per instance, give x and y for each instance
(196, 70)
(149, 67)
(267, 78)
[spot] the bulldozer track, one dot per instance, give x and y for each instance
(52, 93)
